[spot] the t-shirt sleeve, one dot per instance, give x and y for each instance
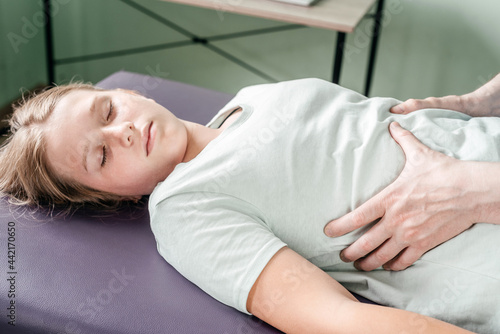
(218, 242)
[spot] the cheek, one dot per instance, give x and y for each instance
(66, 167)
(125, 171)
(72, 160)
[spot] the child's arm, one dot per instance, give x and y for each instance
(295, 296)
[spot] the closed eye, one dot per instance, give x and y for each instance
(104, 156)
(111, 110)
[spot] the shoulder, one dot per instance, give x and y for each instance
(299, 83)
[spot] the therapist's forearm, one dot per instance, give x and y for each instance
(484, 101)
(482, 181)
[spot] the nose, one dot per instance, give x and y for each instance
(122, 134)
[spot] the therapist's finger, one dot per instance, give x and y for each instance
(415, 104)
(383, 255)
(412, 147)
(405, 259)
(416, 153)
(367, 243)
(368, 212)
(375, 207)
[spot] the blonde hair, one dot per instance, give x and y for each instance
(25, 174)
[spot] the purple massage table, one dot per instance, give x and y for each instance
(101, 273)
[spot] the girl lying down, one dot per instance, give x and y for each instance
(239, 206)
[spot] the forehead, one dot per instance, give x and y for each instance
(67, 131)
(74, 102)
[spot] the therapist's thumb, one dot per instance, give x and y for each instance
(415, 152)
(405, 138)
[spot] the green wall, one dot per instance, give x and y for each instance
(22, 54)
(426, 47)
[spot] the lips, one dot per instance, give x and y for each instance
(151, 138)
(147, 138)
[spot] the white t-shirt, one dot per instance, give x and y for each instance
(305, 152)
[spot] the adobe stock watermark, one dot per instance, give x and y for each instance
(246, 325)
(485, 79)
(248, 150)
(451, 292)
(293, 278)
(453, 289)
(31, 27)
(222, 6)
(92, 306)
(363, 36)
(245, 155)
(151, 82)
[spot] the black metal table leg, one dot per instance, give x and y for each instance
(337, 66)
(49, 45)
(374, 44)
(339, 53)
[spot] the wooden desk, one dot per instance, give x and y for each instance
(340, 15)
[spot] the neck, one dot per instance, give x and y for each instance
(198, 137)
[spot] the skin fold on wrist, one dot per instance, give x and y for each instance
(482, 183)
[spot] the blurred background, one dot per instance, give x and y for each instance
(426, 48)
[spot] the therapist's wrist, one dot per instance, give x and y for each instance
(474, 105)
(485, 101)
(481, 184)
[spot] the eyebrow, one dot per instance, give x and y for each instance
(92, 106)
(87, 144)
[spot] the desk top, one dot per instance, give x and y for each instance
(340, 15)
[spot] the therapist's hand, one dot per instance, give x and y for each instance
(425, 206)
(484, 101)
